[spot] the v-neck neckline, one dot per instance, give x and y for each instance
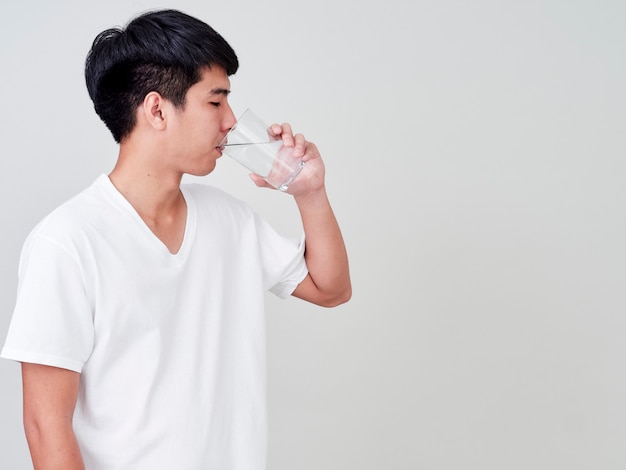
(155, 241)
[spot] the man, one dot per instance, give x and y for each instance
(139, 319)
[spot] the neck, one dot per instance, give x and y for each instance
(154, 193)
(150, 188)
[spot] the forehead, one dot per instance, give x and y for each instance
(214, 81)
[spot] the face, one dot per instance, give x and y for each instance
(195, 131)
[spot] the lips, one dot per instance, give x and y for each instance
(221, 145)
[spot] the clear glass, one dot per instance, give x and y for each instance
(250, 143)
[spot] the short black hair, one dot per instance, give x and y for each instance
(163, 51)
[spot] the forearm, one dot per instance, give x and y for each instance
(325, 251)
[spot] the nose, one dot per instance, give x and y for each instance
(229, 118)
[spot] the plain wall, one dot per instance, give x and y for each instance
(475, 158)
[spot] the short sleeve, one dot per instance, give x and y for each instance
(283, 261)
(52, 322)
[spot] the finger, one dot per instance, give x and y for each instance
(311, 152)
(260, 182)
(275, 130)
(287, 135)
(300, 145)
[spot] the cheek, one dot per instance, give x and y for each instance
(202, 126)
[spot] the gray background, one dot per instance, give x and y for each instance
(475, 158)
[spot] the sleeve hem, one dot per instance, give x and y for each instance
(42, 358)
(288, 288)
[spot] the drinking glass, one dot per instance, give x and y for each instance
(250, 143)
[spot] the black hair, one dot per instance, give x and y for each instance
(163, 51)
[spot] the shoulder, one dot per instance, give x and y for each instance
(75, 216)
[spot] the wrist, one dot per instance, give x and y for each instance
(312, 198)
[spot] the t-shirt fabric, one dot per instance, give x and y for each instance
(170, 347)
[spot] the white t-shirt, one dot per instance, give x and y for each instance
(170, 347)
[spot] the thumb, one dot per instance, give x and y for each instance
(260, 182)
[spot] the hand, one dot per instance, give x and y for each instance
(311, 178)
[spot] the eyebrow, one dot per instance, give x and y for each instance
(219, 91)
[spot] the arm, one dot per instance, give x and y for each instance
(50, 395)
(328, 282)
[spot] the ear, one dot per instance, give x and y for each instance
(154, 111)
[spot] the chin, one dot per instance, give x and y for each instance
(202, 171)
